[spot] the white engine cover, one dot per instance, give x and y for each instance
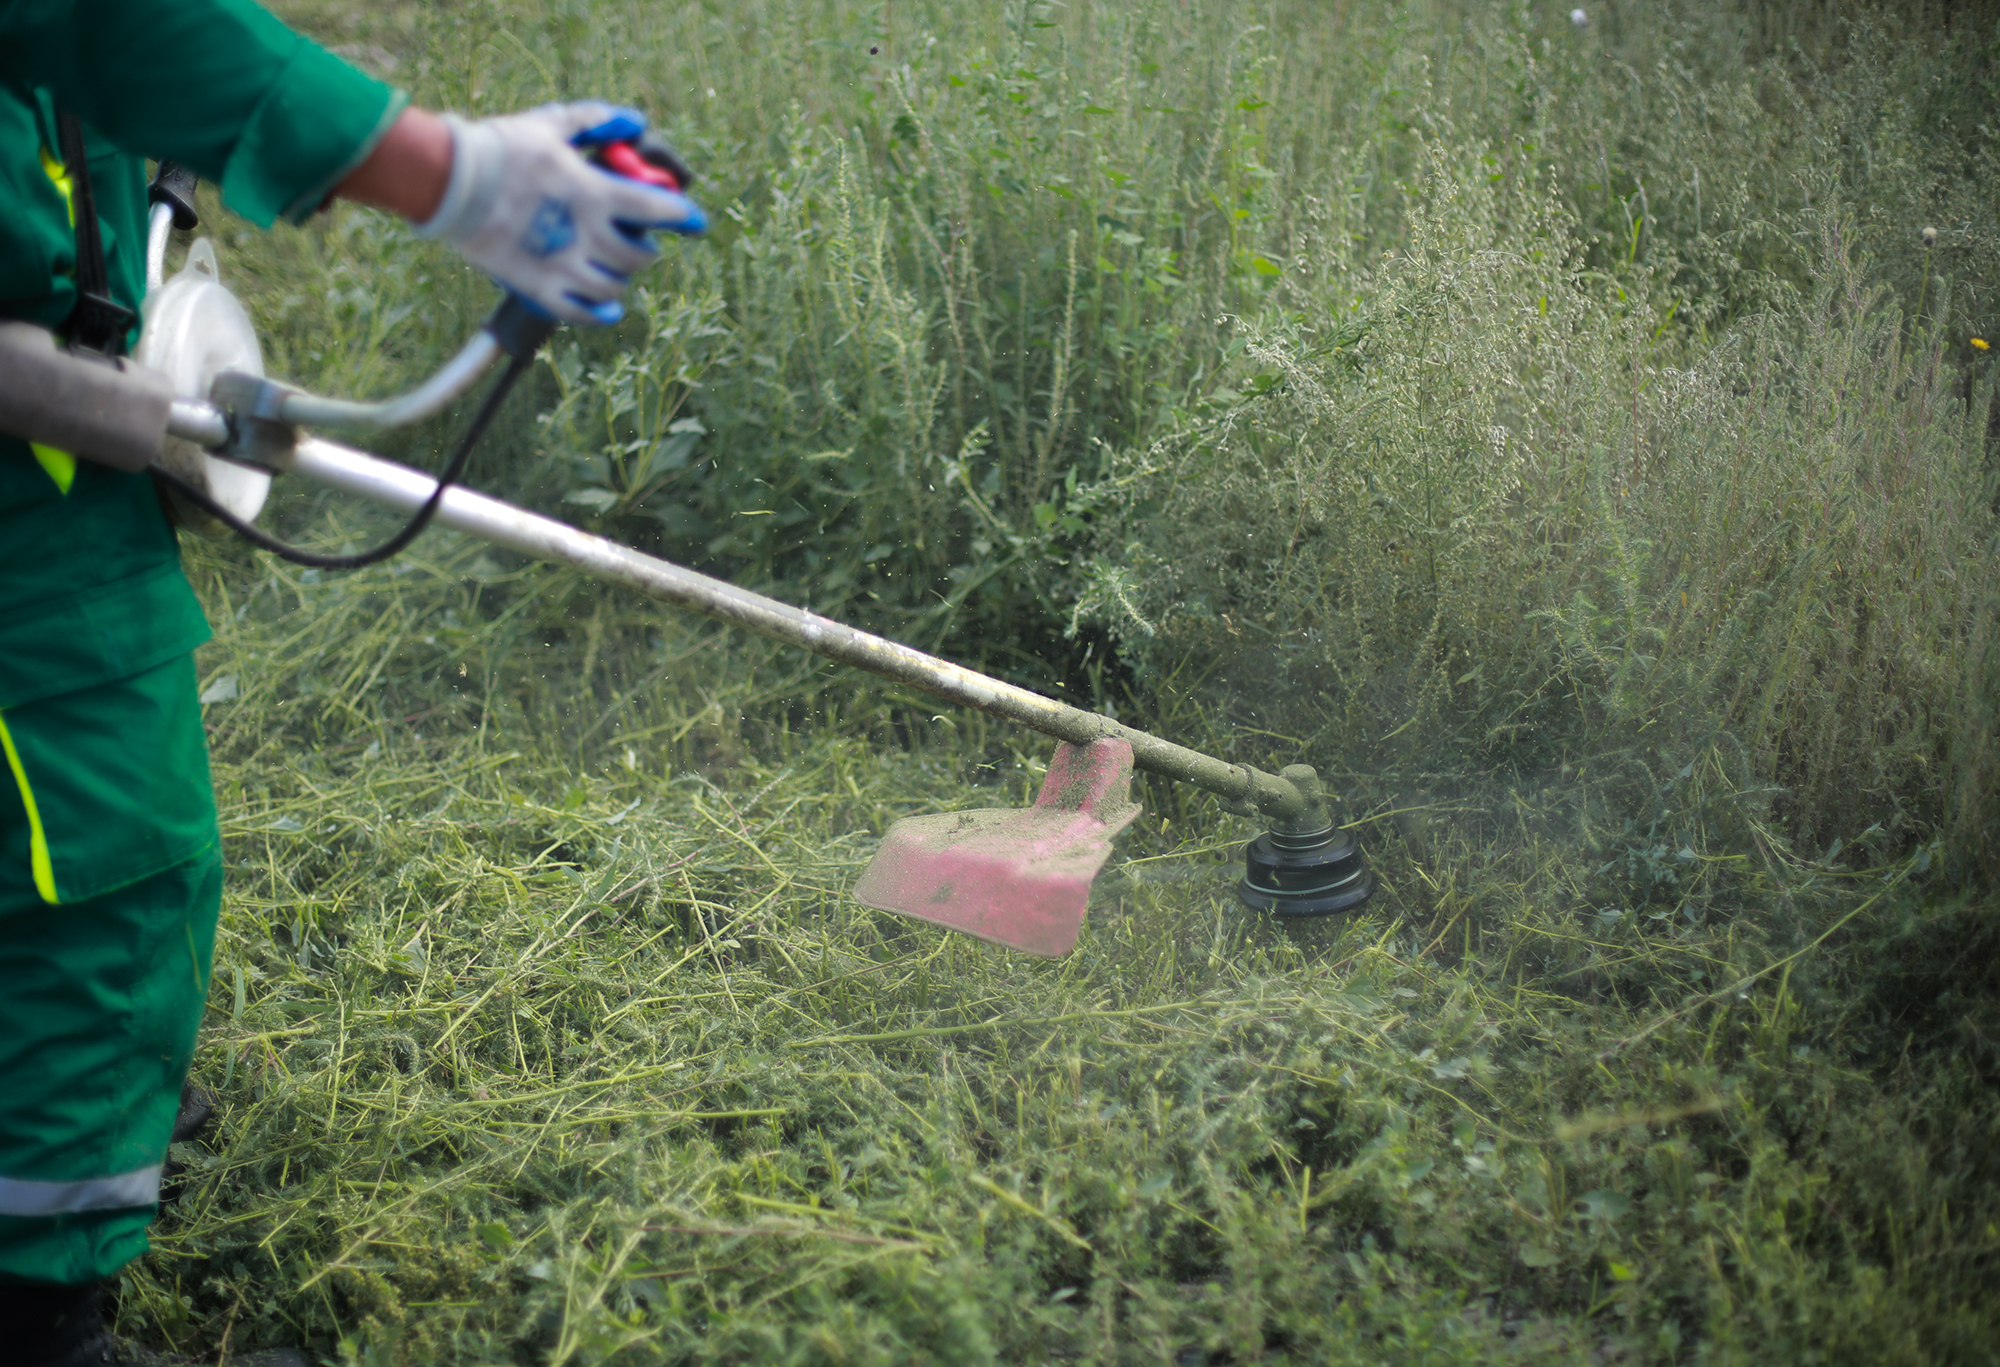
(194, 330)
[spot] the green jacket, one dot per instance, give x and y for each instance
(90, 582)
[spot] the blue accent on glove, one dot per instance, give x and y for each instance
(623, 126)
(551, 229)
(693, 224)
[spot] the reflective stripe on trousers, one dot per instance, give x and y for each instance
(39, 867)
(140, 1187)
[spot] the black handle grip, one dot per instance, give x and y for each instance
(520, 327)
(174, 185)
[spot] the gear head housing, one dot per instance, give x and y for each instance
(1316, 874)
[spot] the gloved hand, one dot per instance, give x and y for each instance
(526, 207)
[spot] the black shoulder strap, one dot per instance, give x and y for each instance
(98, 322)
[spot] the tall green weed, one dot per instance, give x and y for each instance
(965, 254)
(1490, 512)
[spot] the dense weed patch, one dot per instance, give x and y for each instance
(1562, 437)
(968, 253)
(1487, 524)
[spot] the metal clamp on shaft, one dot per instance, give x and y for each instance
(254, 409)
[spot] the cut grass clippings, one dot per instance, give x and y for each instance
(527, 1059)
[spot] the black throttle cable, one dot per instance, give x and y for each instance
(454, 468)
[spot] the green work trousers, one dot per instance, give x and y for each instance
(110, 881)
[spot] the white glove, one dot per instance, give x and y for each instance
(524, 206)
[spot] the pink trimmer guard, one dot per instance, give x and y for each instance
(1019, 878)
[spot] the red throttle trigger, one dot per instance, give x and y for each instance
(646, 159)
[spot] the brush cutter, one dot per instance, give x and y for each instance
(194, 407)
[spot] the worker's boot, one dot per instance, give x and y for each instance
(197, 1108)
(63, 1326)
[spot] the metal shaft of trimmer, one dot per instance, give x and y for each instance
(1293, 800)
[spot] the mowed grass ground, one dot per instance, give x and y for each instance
(544, 1027)
(526, 1058)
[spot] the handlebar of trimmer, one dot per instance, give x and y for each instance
(647, 158)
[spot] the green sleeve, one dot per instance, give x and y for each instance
(219, 86)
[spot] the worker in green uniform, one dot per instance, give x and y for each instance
(110, 874)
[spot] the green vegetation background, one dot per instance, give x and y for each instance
(1562, 436)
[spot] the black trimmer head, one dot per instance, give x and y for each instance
(1318, 874)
